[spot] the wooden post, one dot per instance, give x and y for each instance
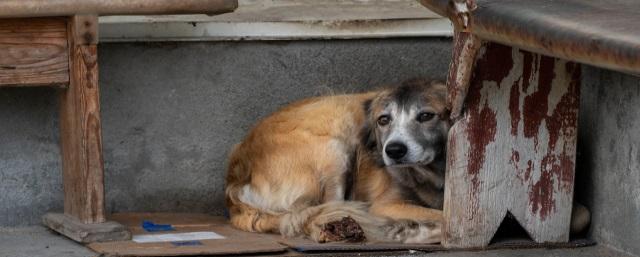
(81, 138)
(80, 128)
(513, 149)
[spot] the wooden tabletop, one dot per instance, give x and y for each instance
(42, 8)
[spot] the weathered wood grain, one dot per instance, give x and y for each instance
(514, 148)
(42, 8)
(466, 46)
(34, 52)
(81, 136)
(85, 30)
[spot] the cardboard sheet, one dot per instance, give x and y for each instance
(240, 242)
(234, 241)
(307, 246)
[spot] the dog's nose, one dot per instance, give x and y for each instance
(396, 150)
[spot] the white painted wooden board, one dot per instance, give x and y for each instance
(284, 20)
(513, 149)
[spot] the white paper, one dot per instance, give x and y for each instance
(175, 237)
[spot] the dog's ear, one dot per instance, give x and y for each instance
(367, 135)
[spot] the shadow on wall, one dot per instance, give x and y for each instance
(608, 165)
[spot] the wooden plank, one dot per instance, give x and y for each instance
(34, 52)
(514, 149)
(85, 233)
(81, 136)
(235, 241)
(41, 8)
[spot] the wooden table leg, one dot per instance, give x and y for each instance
(81, 138)
(513, 149)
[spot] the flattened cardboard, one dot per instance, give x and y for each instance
(240, 242)
(308, 246)
(235, 242)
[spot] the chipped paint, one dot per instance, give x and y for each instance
(541, 196)
(514, 147)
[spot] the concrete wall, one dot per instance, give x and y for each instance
(608, 172)
(170, 113)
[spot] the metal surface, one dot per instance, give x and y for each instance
(40, 8)
(601, 33)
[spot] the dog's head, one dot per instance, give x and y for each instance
(407, 125)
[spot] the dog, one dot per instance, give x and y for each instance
(376, 157)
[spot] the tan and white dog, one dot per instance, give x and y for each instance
(375, 157)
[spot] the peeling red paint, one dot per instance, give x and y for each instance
(527, 173)
(514, 106)
(494, 65)
(535, 104)
(561, 122)
(482, 131)
(515, 157)
(564, 119)
(562, 166)
(543, 163)
(541, 198)
(567, 173)
(515, 161)
(451, 152)
(528, 59)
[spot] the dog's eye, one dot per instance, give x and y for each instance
(425, 116)
(384, 120)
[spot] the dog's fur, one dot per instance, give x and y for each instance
(293, 171)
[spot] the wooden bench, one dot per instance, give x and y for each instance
(54, 43)
(514, 86)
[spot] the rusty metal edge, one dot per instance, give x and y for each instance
(47, 8)
(497, 27)
(603, 59)
(441, 7)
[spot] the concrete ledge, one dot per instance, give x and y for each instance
(85, 233)
(290, 30)
(284, 20)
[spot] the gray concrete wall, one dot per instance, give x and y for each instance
(608, 172)
(170, 113)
